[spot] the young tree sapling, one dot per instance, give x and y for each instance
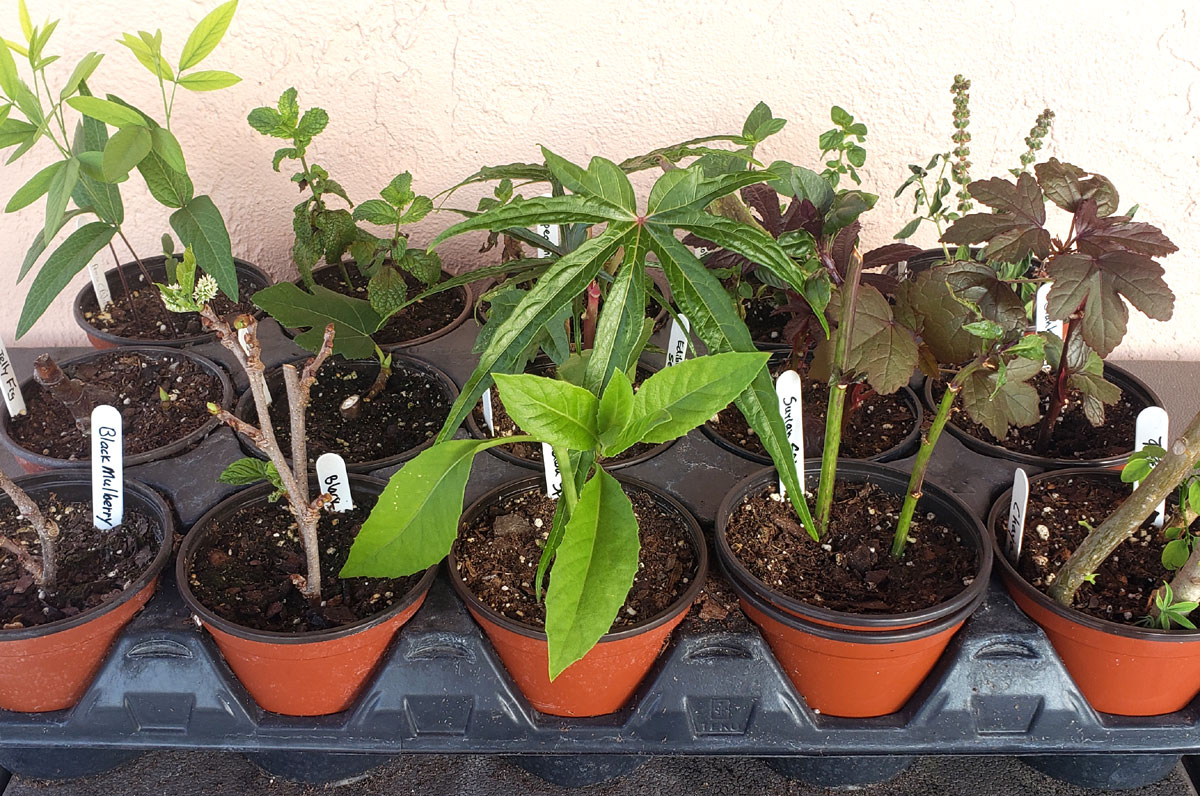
(44, 568)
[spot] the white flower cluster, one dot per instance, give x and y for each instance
(206, 289)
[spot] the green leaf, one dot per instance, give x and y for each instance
(985, 329)
(35, 189)
(997, 405)
(1136, 470)
(83, 70)
(1193, 497)
(539, 210)
(207, 35)
(268, 121)
(386, 291)
(1031, 346)
(759, 115)
(26, 24)
(677, 399)
(376, 211)
(398, 193)
(125, 150)
(847, 206)
(688, 190)
(421, 206)
(247, 471)
(619, 327)
(57, 196)
(108, 112)
(10, 79)
(38, 246)
(802, 183)
(169, 187)
(67, 260)
(15, 131)
(615, 413)
(550, 410)
(103, 198)
(212, 80)
(1175, 554)
(415, 520)
(200, 226)
(312, 123)
(353, 318)
(602, 180)
(908, 230)
(593, 571)
(142, 52)
(840, 117)
(166, 146)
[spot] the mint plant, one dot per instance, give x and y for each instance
(593, 542)
(89, 165)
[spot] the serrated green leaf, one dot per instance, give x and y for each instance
(376, 211)
(210, 80)
(996, 405)
(312, 123)
(398, 193)
(550, 410)
(246, 471)
(199, 226)
(268, 121)
(386, 291)
(353, 318)
(63, 264)
(421, 206)
(207, 35)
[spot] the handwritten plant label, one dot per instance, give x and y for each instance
(553, 476)
(677, 347)
(331, 475)
(1041, 314)
(1151, 429)
(1016, 515)
(488, 420)
(108, 468)
(551, 232)
(243, 335)
(99, 283)
(787, 387)
(9, 385)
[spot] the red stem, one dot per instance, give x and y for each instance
(590, 314)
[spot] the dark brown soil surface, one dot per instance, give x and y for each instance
(243, 571)
(148, 319)
(879, 424)
(406, 414)
(532, 451)
(852, 569)
(1074, 437)
(1125, 581)
(500, 568)
(49, 428)
(93, 566)
(764, 325)
(416, 320)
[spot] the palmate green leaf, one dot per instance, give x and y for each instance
(199, 225)
(107, 111)
(997, 406)
(35, 189)
(207, 35)
(619, 327)
(672, 153)
(210, 80)
(677, 399)
(702, 298)
(124, 151)
(686, 190)
(353, 318)
(60, 267)
(882, 349)
(550, 410)
(561, 283)
(593, 571)
(415, 520)
(602, 180)
(57, 195)
(539, 210)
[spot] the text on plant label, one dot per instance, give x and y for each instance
(1016, 515)
(787, 387)
(14, 401)
(677, 347)
(334, 481)
(553, 475)
(108, 468)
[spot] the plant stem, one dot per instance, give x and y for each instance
(124, 282)
(1059, 399)
(563, 457)
(345, 274)
(384, 375)
(77, 397)
(46, 572)
(590, 313)
(929, 439)
(1178, 462)
(170, 316)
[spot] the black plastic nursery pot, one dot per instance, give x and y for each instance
(1130, 385)
(849, 664)
(298, 674)
(49, 667)
(250, 279)
(34, 462)
(906, 447)
(367, 370)
(606, 677)
(1121, 669)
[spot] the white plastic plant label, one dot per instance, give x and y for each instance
(331, 475)
(1041, 314)
(787, 387)
(486, 405)
(1151, 429)
(242, 338)
(10, 385)
(553, 476)
(550, 232)
(1016, 515)
(99, 283)
(108, 465)
(677, 347)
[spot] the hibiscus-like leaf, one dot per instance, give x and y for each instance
(1068, 186)
(881, 349)
(997, 399)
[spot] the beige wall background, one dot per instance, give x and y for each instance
(440, 88)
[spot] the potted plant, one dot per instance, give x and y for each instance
(386, 271)
(300, 639)
(88, 169)
(69, 586)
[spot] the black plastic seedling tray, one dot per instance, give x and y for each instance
(999, 688)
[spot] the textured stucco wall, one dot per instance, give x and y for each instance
(440, 88)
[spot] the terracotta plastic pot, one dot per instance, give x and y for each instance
(606, 677)
(1130, 385)
(852, 673)
(1130, 671)
(246, 411)
(32, 462)
(156, 266)
(298, 674)
(464, 291)
(49, 667)
(943, 504)
(900, 450)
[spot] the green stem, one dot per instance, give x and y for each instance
(928, 442)
(563, 457)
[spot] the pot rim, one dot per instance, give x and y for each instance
(681, 604)
(254, 495)
(1128, 383)
(146, 499)
(87, 293)
(971, 526)
(246, 400)
(167, 451)
(1013, 577)
(898, 451)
